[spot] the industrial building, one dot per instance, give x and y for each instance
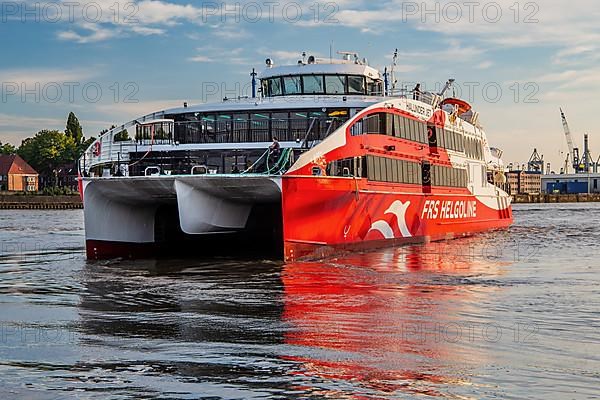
(571, 183)
(524, 182)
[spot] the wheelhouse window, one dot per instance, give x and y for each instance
(335, 84)
(275, 88)
(292, 85)
(356, 85)
(321, 84)
(313, 84)
(374, 87)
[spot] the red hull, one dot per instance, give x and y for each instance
(322, 216)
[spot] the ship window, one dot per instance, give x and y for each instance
(313, 84)
(388, 128)
(357, 128)
(240, 127)
(384, 169)
(371, 124)
(389, 169)
(356, 85)
(397, 130)
(448, 177)
(374, 88)
(259, 126)
(275, 88)
(394, 169)
(335, 84)
(292, 85)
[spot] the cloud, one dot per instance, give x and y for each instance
(485, 65)
(503, 23)
(92, 33)
(235, 56)
(201, 58)
(29, 77)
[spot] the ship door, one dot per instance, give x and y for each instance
(432, 138)
(426, 174)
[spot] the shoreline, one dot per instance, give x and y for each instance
(39, 202)
(555, 198)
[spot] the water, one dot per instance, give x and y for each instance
(510, 315)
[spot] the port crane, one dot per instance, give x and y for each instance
(573, 151)
(536, 162)
(581, 163)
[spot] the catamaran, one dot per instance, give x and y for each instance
(325, 156)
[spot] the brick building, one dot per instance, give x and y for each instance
(16, 175)
(524, 182)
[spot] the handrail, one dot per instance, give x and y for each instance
(312, 124)
(151, 167)
(199, 166)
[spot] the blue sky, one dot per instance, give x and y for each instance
(541, 55)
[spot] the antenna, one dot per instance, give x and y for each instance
(394, 64)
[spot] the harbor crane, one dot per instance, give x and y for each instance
(536, 162)
(573, 151)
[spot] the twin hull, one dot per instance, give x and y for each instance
(290, 217)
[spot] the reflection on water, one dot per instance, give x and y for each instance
(393, 325)
(510, 314)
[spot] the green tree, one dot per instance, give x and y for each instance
(74, 129)
(48, 150)
(122, 136)
(7, 148)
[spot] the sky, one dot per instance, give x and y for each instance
(110, 61)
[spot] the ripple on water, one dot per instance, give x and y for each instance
(508, 314)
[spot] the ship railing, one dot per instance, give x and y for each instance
(430, 98)
(106, 149)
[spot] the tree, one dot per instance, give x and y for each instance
(7, 148)
(122, 136)
(48, 150)
(74, 129)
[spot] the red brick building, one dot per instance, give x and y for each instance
(16, 175)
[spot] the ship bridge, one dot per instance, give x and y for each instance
(315, 76)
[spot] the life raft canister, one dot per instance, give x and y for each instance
(462, 105)
(96, 149)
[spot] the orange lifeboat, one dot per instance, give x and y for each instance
(462, 105)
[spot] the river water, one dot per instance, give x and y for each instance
(506, 315)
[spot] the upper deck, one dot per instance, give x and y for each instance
(299, 105)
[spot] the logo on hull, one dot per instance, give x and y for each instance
(398, 209)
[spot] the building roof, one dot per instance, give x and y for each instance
(13, 164)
